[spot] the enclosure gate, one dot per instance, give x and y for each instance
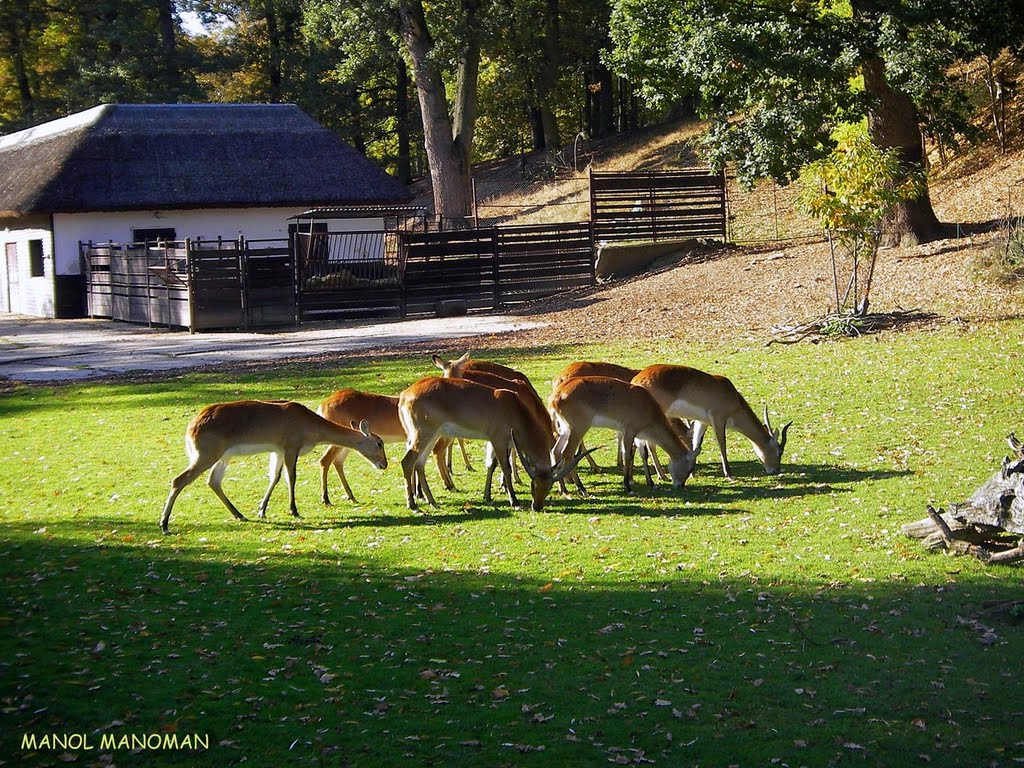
(456, 266)
(658, 205)
(137, 282)
(203, 285)
(347, 274)
(495, 267)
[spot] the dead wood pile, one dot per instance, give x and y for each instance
(989, 524)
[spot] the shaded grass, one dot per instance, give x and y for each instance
(768, 619)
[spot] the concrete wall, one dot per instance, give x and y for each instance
(621, 260)
(23, 293)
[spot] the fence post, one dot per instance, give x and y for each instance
(476, 212)
(404, 240)
(497, 272)
(190, 274)
(590, 193)
(650, 205)
(293, 251)
(593, 255)
(83, 258)
(243, 279)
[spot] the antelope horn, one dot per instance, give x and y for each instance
(528, 465)
(782, 437)
(561, 470)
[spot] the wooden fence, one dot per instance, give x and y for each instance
(202, 285)
(138, 282)
(657, 205)
(194, 284)
(324, 275)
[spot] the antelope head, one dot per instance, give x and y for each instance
(542, 479)
(771, 452)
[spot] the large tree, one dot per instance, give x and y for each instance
(775, 78)
(447, 128)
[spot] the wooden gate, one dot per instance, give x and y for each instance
(657, 205)
(456, 266)
(348, 274)
(538, 261)
(215, 285)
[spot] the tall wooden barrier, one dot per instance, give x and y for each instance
(657, 205)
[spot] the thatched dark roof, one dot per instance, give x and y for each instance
(119, 157)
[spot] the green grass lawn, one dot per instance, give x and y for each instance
(771, 621)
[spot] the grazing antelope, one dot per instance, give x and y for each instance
(687, 393)
(455, 369)
(285, 429)
(622, 373)
(582, 402)
(350, 406)
(529, 397)
(436, 407)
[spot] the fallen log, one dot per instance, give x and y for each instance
(981, 525)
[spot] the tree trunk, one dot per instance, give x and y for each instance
(892, 123)
(605, 101)
(404, 160)
(447, 156)
(549, 79)
(21, 74)
(274, 55)
(168, 50)
(536, 127)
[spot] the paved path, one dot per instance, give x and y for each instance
(34, 350)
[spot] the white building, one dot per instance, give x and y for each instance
(132, 172)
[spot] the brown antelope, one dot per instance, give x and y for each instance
(454, 369)
(582, 402)
(436, 407)
(529, 397)
(350, 406)
(622, 373)
(687, 393)
(285, 429)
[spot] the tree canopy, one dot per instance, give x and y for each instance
(776, 78)
(406, 81)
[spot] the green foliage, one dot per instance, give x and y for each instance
(774, 619)
(850, 191)
(776, 78)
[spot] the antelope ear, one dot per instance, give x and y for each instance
(364, 427)
(767, 421)
(464, 358)
(438, 361)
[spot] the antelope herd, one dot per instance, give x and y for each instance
(664, 406)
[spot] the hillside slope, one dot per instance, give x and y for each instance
(740, 293)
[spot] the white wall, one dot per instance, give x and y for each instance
(30, 295)
(228, 223)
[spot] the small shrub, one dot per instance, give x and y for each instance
(1003, 263)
